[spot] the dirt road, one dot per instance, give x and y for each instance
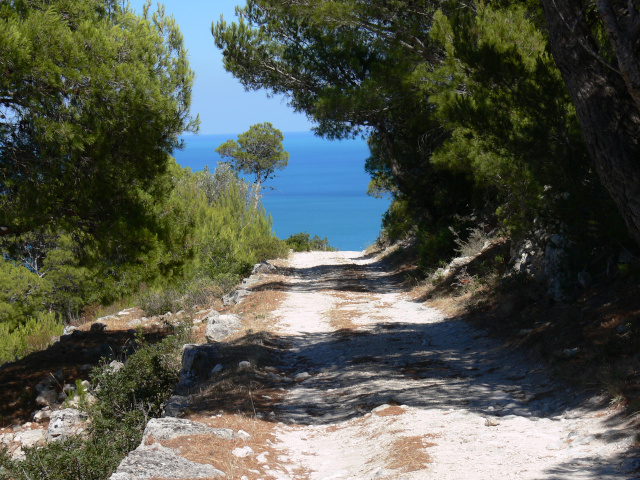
(389, 388)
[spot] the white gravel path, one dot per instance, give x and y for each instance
(480, 411)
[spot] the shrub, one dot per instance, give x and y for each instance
(126, 400)
(303, 242)
(33, 335)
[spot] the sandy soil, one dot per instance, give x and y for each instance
(390, 388)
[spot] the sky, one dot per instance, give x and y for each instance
(223, 104)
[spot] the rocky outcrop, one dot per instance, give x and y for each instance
(168, 428)
(155, 461)
(65, 423)
(152, 460)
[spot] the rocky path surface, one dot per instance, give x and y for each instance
(370, 384)
(389, 388)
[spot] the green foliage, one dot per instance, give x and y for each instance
(303, 242)
(92, 102)
(257, 152)
(126, 400)
(434, 247)
(513, 129)
(32, 334)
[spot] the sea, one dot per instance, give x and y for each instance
(322, 191)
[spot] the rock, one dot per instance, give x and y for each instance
(242, 452)
(262, 458)
(218, 368)
(244, 365)
(47, 398)
(65, 423)
(136, 322)
(221, 326)
(99, 326)
(263, 267)
(242, 435)
(175, 405)
(116, 366)
(585, 280)
(126, 311)
(169, 427)
(302, 376)
(156, 461)
(68, 330)
(42, 415)
(30, 438)
(491, 422)
(68, 388)
(570, 352)
(197, 361)
(234, 297)
(555, 446)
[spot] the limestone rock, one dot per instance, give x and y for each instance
(68, 330)
(169, 427)
(47, 398)
(64, 423)
(30, 438)
(156, 461)
(263, 267)
(242, 452)
(221, 326)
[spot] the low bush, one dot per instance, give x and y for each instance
(303, 242)
(126, 399)
(33, 335)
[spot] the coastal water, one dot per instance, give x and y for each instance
(322, 191)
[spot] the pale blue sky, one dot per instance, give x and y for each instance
(223, 104)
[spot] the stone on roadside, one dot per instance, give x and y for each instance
(221, 326)
(242, 452)
(156, 461)
(99, 326)
(263, 267)
(168, 428)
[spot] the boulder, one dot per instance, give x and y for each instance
(235, 297)
(65, 423)
(221, 326)
(169, 427)
(47, 398)
(263, 267)
(197, 362)
(99, 326)
(155, 461)
(30, 438)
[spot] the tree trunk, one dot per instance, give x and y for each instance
(608, 115)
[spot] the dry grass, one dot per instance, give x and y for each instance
(392, 410)
(213, 450)
(407, 454)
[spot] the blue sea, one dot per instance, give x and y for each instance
(322, 191)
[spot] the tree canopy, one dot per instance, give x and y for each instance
(467, 115)
(258, 152)
(93, 99)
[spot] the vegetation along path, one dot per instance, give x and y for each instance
(368, 383)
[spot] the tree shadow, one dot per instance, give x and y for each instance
(327, 378)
